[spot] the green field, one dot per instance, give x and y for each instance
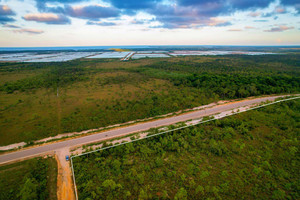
(28, 180)
(39, 100)
(253, 155)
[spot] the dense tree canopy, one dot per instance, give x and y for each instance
(252, 155)
(29, 180)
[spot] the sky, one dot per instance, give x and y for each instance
(37, 23)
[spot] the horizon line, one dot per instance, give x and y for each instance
(150, 45)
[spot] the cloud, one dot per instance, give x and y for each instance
(5, 14)
(249, 27)
(172, 17)
(5, 10)
(48, 18)
(101, 23)
(207, 8)
(254, 14)
(139, 21)
(29, 31)
(270, 14)
(142, 21)
(46, 9)
(42, 5)
(279, 28)
(4, 19)
(292, 3)
(10, 26)
(183, 23)
(214, 21)
(92, 12)
(276, 11)
(234, 30)
(171, 14)
(280, 10)
(188, 13)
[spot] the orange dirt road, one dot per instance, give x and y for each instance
(64, 176)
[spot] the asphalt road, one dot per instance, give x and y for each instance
(36, 151)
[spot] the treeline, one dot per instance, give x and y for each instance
(234, 64)
(57, 75)
(52, 75)
(239, 86)
(31, 181)
(232, 76)
(247, 156)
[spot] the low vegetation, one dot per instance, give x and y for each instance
(39, 100)
(28, 180)
(253, 155)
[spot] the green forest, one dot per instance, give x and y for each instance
(39, 100)
(29, 180)
(252, 155)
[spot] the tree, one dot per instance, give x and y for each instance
(278, 194)
(29, 190)
(109, 184)
(181, 194)
(199, 190)
(143, 195)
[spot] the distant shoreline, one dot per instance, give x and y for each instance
(132, 47)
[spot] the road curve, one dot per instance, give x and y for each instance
(48, 148)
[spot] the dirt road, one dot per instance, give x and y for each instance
(64, 176)
(36, 151)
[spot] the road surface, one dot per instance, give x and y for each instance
(48, 148)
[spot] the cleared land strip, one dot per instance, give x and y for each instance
(48, 148)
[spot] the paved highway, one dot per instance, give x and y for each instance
(48, 148)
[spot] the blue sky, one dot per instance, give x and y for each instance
(148, 22)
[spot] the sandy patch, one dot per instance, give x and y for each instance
(12, 146)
